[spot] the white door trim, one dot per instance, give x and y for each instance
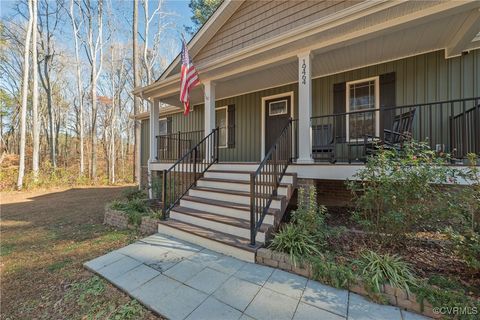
(292, 114)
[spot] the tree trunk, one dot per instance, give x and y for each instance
(136, 102)
(23, 116)
(35, 120)
(93, 92)
(79, 88)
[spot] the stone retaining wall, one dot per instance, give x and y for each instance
(149, 225)
(115, 218)
(394, 296)
(118, 219)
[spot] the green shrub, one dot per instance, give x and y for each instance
(309, 216)
(447, 299)
(467, 246)
(134, 193)
(135, 209)
(377, 269)
(329, 271)
(295, 241)
(398, 190)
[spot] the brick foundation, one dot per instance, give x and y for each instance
(331, 193)
(393, 296)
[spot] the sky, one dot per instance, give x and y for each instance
(178, 17)
(179, 14)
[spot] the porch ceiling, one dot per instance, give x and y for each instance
(279, 66)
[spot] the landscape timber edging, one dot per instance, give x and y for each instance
(394, 296)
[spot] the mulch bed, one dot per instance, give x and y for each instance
(427, 252)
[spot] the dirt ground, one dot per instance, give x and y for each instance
(46, 236)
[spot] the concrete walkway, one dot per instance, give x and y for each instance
(180, 280)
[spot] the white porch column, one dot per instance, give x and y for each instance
(304, 107)
(154, 132)
(209, 106)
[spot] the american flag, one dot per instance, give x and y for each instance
(188, 78)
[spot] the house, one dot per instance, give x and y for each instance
(297, 92)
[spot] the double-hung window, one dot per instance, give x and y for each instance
(362, 109)
(163, 130)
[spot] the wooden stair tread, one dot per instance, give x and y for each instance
(210, 234)
(226, 204)
(242, 171)
(237, 222)
(238, 193)
(235, 181)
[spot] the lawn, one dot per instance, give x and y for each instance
(46, 236)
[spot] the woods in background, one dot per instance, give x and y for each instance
(68, 69)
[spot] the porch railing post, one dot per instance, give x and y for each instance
(179, 151)
(252, 209)
(195, 155)
(275, 170)
(217, 139)
(164, 194)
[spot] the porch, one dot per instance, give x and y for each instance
(451, 126)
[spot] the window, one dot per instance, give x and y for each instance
(277, 108)
(221, 121)
(362, 96)
(163, 130)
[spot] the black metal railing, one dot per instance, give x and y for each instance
(451, 126)
(172, 146)
(184, 173)
(264, 182)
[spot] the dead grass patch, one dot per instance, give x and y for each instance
(46, 236)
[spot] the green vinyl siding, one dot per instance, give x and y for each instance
(247, 122)
(145, 142)
(192, 122)
(420, 79)
(424, 78)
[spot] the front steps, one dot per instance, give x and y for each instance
(216, 212)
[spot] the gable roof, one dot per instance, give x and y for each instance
(205, 33)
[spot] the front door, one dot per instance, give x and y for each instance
(277, 114)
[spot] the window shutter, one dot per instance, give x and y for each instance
(231, 126)
(169, 125)
(340, 106)
(387, 100)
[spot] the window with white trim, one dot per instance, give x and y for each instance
(277, 108)
(163, 123)
(362, 96)
(221, 121)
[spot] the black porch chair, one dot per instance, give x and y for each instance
(323, 142)
(392, 139)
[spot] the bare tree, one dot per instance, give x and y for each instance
(23, 118)
(150, 56)
(136, 100)
(35, 120)
(94, 52)
(48, 22)
(79, 86)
